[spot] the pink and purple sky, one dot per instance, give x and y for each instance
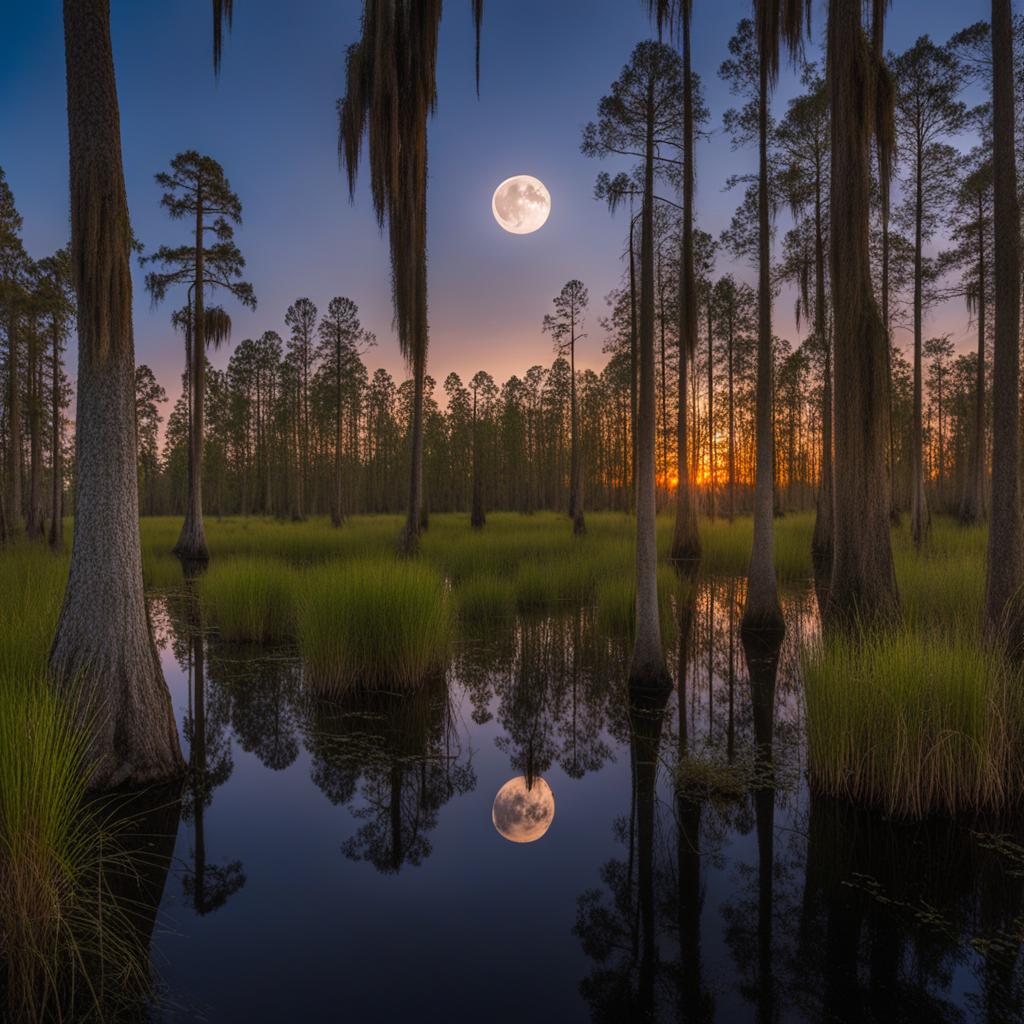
(270, 120)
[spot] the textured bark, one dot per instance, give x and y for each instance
(103, 653)
(972, 505)
(821, 540)
(191, 543)
(685, 536)
(1002, 602)
(762, 610)
(863, 583)
(56, 447)
(647, 669)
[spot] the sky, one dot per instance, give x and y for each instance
(271, 121)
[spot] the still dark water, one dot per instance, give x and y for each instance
(336, 858)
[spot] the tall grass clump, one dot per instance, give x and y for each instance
(914, 721)
(726, 547)
(616, 603)
(32, 581)
(60, 936)
(486, 600)
(251, 599)
(372, 621)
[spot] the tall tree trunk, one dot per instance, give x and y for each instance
(34, 511)
(337, 509)
(685, 537)
(477, 518)
(56, 447)
(409, 542)
(1002, 601)
(103, 652)
(821, 540)
(647, 669)
(732, 424)
(191, 545)
(711, 411)
(863, 583)
(14, 447)
(633, 361)
(579, 526)
(918, 505)
(971, 508)
(762, 610)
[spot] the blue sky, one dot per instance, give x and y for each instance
(271, 121)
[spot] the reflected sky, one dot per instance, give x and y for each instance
(362, 829)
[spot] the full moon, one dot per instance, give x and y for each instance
(521, 204)
(523, 815)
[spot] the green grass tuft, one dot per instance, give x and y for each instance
(373, 622)
(915, 721)
(251, 599)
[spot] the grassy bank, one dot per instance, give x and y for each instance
(373, 621)
(914, 720)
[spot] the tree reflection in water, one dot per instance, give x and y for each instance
(835, 914)
(400, 754)
(206, 726)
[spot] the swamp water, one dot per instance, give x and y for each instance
(337, 858)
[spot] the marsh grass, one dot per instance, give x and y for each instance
(251, 599)
(64, 941)
(726, 547)
(914, 720)
(616, 603)
(486, 601)
(376, 622)
(32, 580)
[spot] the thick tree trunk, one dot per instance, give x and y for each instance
(762, 610)
(56, 448)
(1002, 596)
(918, 503)
(103, 653)
(863, 582)
(191, 545)
(821, 540)
(972, 506)
(647, 669)
(685, 536)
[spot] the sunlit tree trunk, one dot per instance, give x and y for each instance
(103, 652)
